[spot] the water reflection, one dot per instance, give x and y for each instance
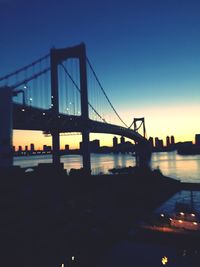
(183, 196)
(184, 168)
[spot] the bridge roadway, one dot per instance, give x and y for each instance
(32, 118)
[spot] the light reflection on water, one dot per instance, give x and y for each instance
(184, 168)
(188, 197)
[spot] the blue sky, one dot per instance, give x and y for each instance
(146, 53)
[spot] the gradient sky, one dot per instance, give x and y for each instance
(145, 52)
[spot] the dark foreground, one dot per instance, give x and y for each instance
(49, 218)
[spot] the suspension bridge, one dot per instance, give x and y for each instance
(61, 93)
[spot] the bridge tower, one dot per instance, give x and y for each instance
(143, 149)
(142, 124)
(56, 57)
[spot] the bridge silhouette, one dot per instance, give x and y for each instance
(51, 95)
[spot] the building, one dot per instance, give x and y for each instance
(94, 145)
(197, 139)
(32, 147)
(151, 142)
(20, 148)
(114, 141)
(167, 141)
(66, 147)
(122, 140)
(158, 143)
(46, 148)
(172, 140)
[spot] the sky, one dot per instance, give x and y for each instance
(145, 52)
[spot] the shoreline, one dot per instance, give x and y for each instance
(74, 215)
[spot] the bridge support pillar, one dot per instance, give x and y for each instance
(56, 147)
(55, 107)
(84, 111)
(143, 155)
(6, 127)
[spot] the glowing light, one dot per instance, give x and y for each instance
(73, 258)
(31, 99)
(182, 213)
(195, 223)
(162, 215)
(164, 260)
(180, 221)
(193, 215)
(62, 265)
(43, 114)
(25, 87)
(23, 109)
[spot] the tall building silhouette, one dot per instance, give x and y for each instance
(158, 143)
(122, 140)
(114, 141)
(197, 139)
(167, 141)
(66, 147)
(32, 147)
(172, 140)
(151, 142)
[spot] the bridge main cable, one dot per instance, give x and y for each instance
(106, 94)
(24, 68)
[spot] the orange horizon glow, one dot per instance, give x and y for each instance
(180, 121)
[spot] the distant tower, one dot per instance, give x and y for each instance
(172, 140)
(167, 141)
(20, 148)
(151, 141)
(114, 141)
(67, 147)
(197, 139)
(32, 147)
(156, 142)
(26, 148)
(122, 140)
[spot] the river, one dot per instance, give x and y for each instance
(184, 168)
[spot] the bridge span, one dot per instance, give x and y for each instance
(24, 116)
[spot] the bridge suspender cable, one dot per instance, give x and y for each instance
(68, 74)
(105, 93)
(25, 81)
(24, 68)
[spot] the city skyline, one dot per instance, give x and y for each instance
(146, 54)
(116, 139)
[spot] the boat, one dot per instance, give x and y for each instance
(185, 217)
(182, 224)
